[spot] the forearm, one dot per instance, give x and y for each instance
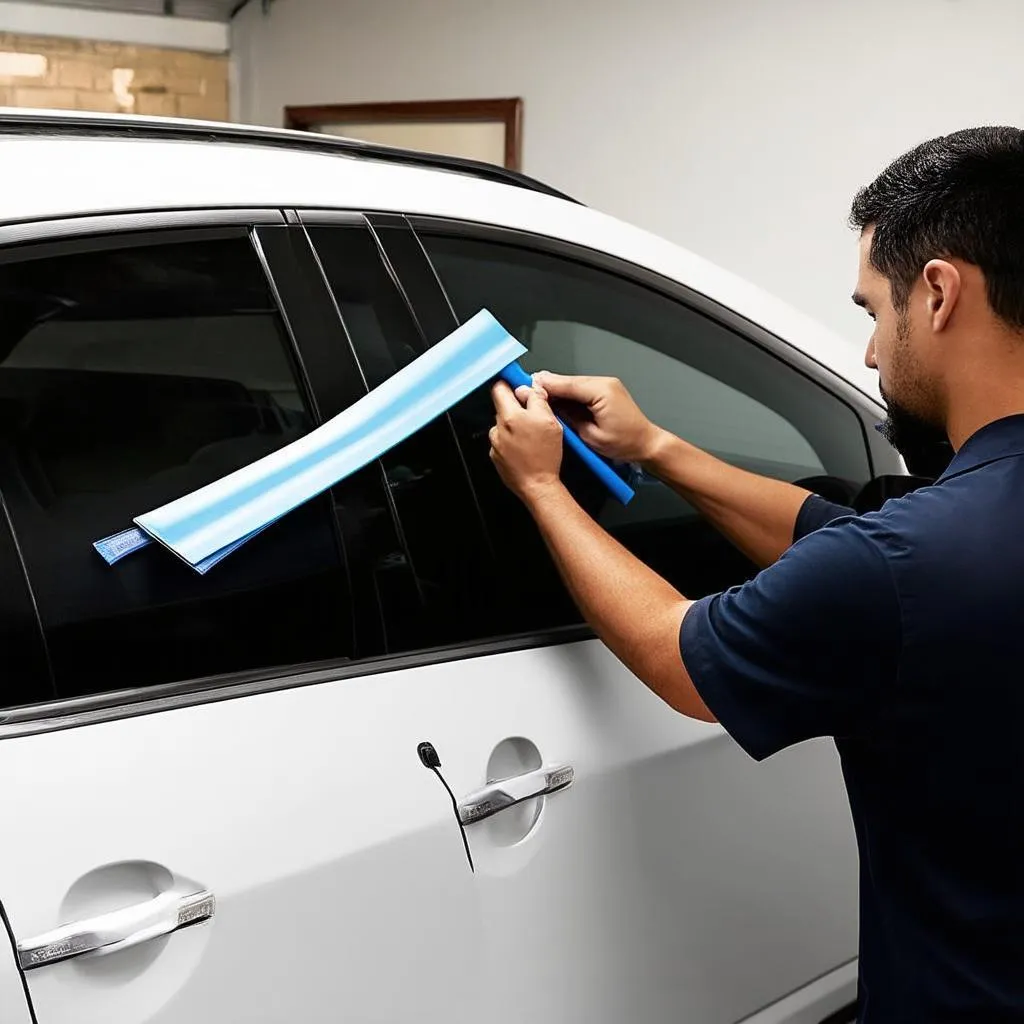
(758, 514)
(631, 608)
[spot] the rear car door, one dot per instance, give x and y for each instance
(675, 879)
(202, 777)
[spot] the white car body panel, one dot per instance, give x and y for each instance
(119, 174)
(13, 1006)
(341, 881)
(823, 998)
(335, 858)
(674, 880)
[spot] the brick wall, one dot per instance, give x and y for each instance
(74, 74)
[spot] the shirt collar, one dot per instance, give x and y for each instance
(1000, 439)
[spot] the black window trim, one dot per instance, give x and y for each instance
(81, 711)
(400, 275)
(129, 222)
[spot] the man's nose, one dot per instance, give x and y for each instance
(869, 356)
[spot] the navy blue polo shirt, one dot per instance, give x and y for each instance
(901, 634)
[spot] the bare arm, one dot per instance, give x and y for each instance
(758, 514)
(631, 608)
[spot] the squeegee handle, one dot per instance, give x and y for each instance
(515, 376)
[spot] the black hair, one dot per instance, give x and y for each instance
(959, 196)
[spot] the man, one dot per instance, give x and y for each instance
(900, 633)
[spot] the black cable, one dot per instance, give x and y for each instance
(429, 757)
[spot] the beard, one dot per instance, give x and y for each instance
(918, 438)
(924, 446)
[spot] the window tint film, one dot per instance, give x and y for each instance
(689, 373)
(129, 377)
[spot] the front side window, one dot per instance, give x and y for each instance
(129, 376)
(689, 373)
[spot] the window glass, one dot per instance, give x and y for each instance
(129, 377)
(706, 411)
(26, 675)
(689, 373)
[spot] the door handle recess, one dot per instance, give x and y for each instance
(497, 796)
(120, 929)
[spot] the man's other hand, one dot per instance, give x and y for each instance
(604, 414)
(526, 440)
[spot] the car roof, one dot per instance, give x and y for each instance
(122, 163)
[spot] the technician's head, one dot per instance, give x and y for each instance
(942, 271)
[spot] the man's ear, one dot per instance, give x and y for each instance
(943, 286)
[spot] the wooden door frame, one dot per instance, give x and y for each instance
(506, 111)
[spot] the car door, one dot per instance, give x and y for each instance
(674, 879)
(202, 778)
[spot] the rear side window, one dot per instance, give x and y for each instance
(129, 376)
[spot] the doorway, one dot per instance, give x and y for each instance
(489, 131)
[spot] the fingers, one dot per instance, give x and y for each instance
(505, 403)
(534, 399)
(574, 389)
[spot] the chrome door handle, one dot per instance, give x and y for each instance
(497, 796)
(120, 929)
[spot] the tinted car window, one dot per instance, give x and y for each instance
(690, 373)
(129, 376)
(26, 676)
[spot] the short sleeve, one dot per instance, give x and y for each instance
(815, 513)
(804, 649)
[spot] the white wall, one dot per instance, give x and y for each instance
(739, 128)
(37, 19)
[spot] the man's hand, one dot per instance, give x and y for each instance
(604, 415)
(526, 440)
(632, 609)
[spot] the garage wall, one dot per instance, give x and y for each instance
(35, 19)
(81, 74)
(71, 58)
(739, 128)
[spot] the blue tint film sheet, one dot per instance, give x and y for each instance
(205, 526)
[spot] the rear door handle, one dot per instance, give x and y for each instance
(120, 929)
(497, 796)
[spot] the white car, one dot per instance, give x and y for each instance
(371, 767)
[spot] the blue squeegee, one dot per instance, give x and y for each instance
(208, 524)
(516, 377)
